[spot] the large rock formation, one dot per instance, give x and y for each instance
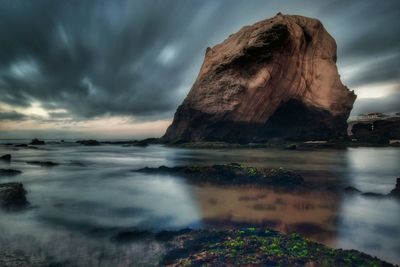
(276, 78)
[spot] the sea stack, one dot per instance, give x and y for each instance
(275, 79)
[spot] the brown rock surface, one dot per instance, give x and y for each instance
(276, 78)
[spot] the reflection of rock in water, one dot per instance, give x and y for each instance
(311, 214)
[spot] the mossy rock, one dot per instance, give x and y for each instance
(258, 247)
(233, 174)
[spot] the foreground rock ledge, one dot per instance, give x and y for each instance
(258, 247)
(274, 79)
(233, 174)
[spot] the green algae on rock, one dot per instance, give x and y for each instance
(258, 247)
(233, 174)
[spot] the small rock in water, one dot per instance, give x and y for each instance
(396, 191)
(43, 163)
(6, 157)
(89, 142)
(12, 195)
(37, 142)
(21, 145)
(132, 235)
(233, 174)
(9, 172)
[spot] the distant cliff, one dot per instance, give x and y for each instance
(275, 79)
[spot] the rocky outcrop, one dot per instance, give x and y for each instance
(275, 79)
(37, 142)
(233, 174)
(6, 157)
(89, 142)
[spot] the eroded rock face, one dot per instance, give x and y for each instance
(276, 78)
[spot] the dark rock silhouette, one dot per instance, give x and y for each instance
(9, 172)
(37, 142)
(12, 195)
(88, 142)
(233, 174)
(396, 190)
(377, 131)
(6, 157)
(43, 163)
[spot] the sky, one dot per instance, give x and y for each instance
(118, 69)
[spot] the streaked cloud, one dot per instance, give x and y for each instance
(93, 60)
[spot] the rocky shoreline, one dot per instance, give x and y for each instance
(221, 247)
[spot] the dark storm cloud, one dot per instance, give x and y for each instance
(140, 58)
(388, 104)
(12, 116)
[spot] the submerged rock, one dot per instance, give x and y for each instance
(258, 247)
(89, 142)
(9, 172)
(352, 189)
(6, 157)
(132, 235)
(274, 79)
(21, 145)
(396, 191)
(43, 163)
(37, 142)
(12, 195)
(233, 174)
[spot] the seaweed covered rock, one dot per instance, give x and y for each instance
(12, 195)
(274, 79)
(233, 174)
(258, 247)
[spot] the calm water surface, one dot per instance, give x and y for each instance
(79, 205)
